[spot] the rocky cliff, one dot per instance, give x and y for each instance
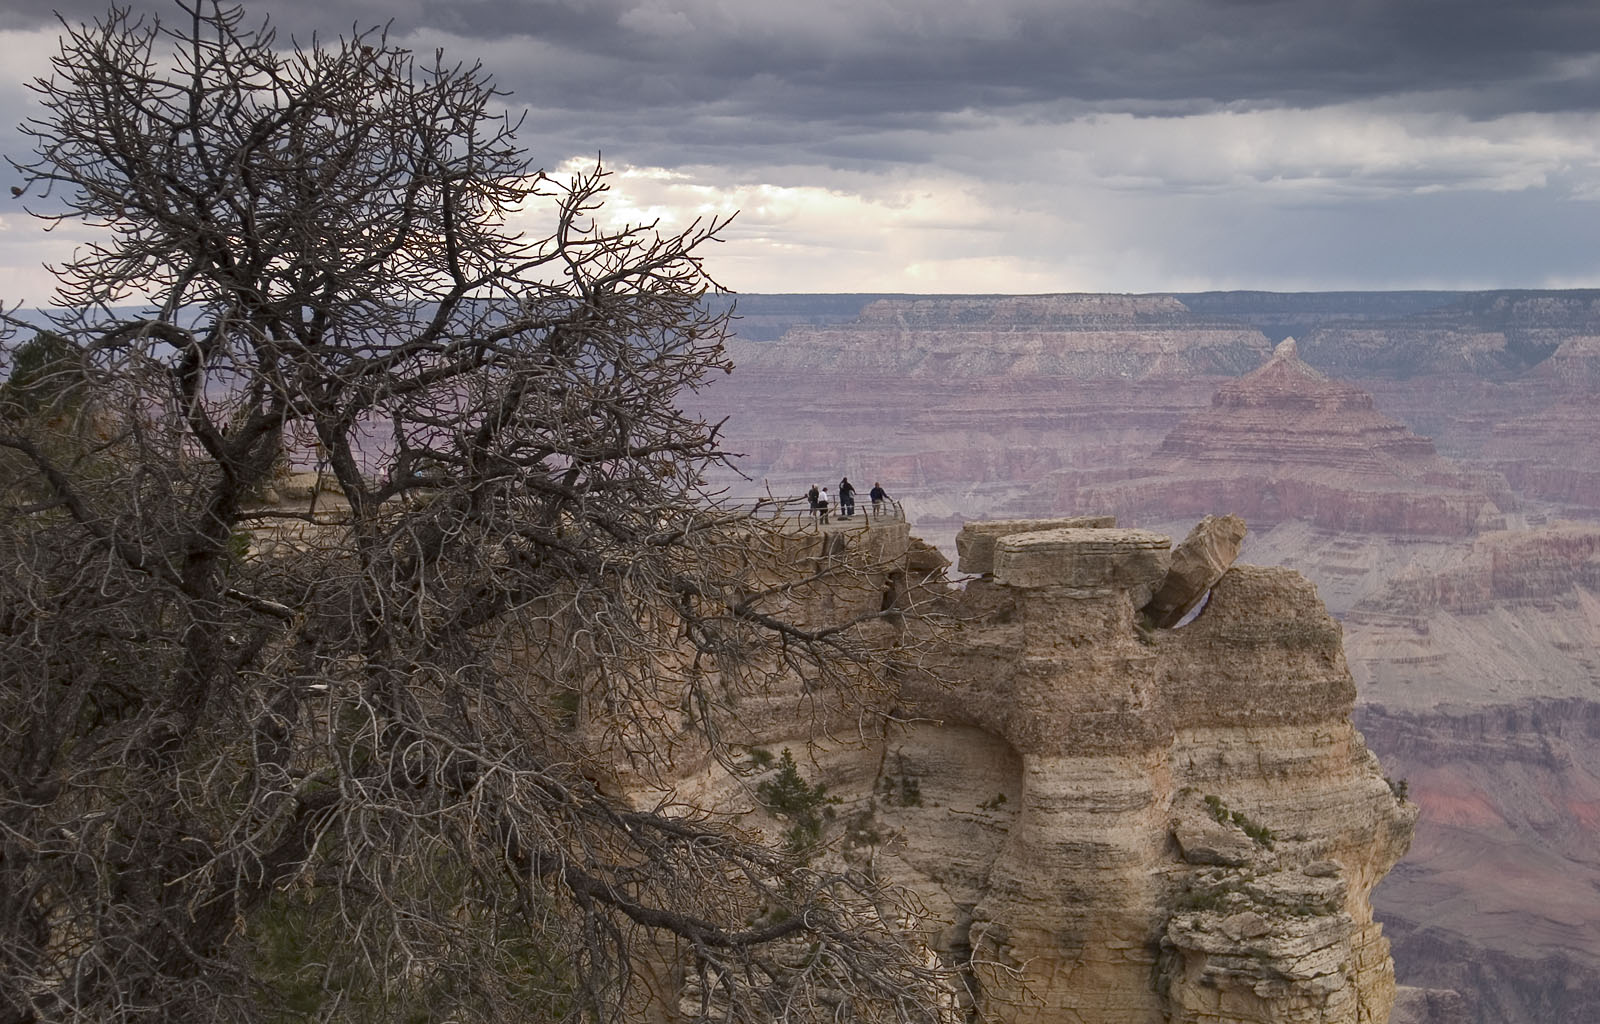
(1111, 822)
(1490, 334)
(1502, 382)
(1111, 337)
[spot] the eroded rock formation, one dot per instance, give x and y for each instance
(1197, 564)
(1114, 824)
(1288, 442)
(959, 404)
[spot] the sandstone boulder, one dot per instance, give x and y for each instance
(1131, 560)
(1197, 564)
(925, 559)
(1203, 841)
(975, 544)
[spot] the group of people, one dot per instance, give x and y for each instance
(821, 501)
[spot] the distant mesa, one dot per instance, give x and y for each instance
(1495, 335)
(1083, 309)
(1084, 337)
(1289, 442)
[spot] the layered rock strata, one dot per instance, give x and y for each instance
(958, 404)
(1083, 336)
(1504, 385)
(1197, 564)
(1110, 823)
(1488, 334)
(1512, 617)
(1510, 807)
(977, 541)
(1196, 825)
(1287, 442)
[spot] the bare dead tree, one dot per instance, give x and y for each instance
(358, 757)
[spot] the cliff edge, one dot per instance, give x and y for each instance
(1110, 822)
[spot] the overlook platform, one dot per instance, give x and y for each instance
(794, 514)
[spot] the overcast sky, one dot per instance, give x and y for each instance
(1032, 145)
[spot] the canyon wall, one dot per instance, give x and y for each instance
(1286, 442)
(1462, 587)
(958, 405)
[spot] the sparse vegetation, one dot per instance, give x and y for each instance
(899, 785)
(806, 806)
(1263, 835)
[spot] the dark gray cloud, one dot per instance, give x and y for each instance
(1178, 136)
(874, 59)
(669, 81)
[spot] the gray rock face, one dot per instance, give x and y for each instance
(1197, 564)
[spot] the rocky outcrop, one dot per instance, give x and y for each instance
(976, 543)
(1192, 806)
(1197, 564)
(1112, 824)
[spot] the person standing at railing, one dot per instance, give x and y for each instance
(879, 496)
(811, 496)
(822, 505)
(847, 498)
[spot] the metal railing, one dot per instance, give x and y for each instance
(798, 507)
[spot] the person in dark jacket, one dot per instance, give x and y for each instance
(879, 496)
(847, 498)
(812, 496)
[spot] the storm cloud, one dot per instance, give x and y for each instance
(1132, 145)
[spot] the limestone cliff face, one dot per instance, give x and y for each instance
(1196, 826)
(1111, 823)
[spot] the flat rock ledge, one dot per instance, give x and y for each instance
(1089, 559)
(975, 544)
